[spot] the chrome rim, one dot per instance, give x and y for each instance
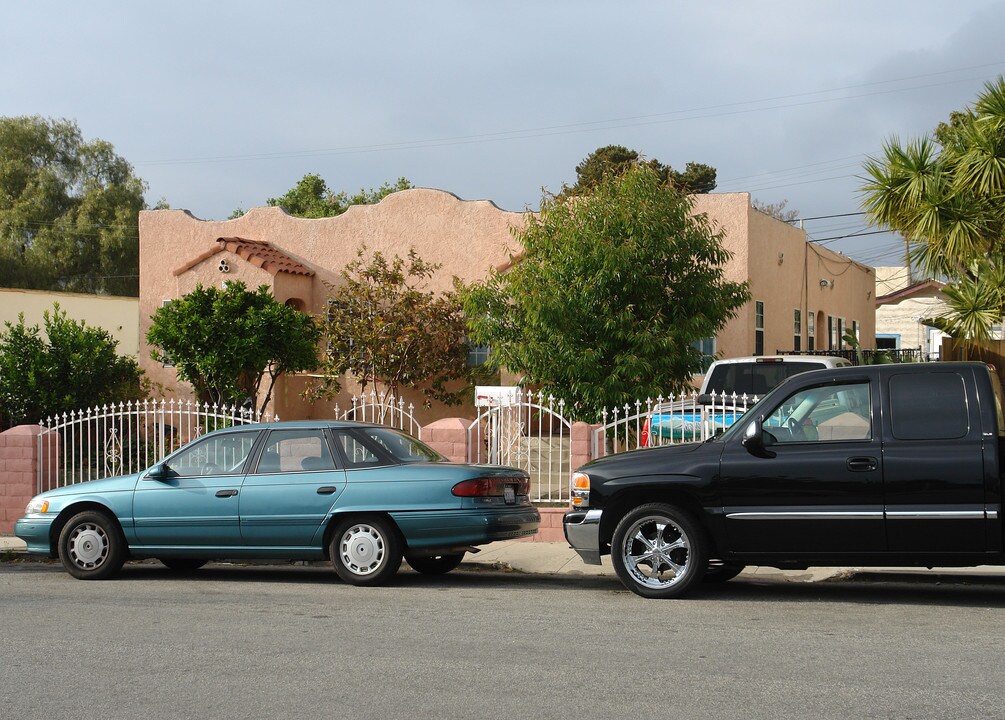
(88, 546)
(656, 552)
(362, 549)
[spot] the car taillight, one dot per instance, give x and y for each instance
(580, 491)
(490, 487)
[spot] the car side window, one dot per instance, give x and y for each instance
(215, 455)
(300, 450)
(357, 452)
(827, 413)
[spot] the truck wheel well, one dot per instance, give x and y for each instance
(623, 503)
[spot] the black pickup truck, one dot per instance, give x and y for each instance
(891, 465)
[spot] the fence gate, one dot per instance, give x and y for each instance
(527, 431)
(124, 438)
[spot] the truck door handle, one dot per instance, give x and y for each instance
(226, 493)
(326, 490)
(862, 464)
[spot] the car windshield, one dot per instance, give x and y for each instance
(402, 447)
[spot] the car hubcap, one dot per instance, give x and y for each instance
(656, 552)
(88, 546)
(362, 549)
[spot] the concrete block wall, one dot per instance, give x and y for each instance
(18, 473)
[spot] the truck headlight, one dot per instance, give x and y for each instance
(580, 490)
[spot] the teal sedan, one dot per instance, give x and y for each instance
(362, 496)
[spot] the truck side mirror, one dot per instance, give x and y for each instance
(753, 439)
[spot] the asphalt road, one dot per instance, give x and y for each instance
(293, 642)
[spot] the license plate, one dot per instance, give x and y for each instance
(509, 494)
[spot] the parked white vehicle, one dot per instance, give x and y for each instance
(729, 388)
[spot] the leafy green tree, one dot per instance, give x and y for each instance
(228, 342)
(945, 193)
(68, 210)
(384, 326)
(608, 295)
(311, 198)
(616, 159)
(65, 365)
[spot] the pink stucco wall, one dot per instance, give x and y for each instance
(469, 238)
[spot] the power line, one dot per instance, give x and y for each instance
(592, 126)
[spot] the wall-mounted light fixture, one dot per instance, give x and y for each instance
(824, 282)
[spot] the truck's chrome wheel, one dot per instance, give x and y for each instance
(658, 551)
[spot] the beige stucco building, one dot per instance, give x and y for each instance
(902, 305)
(791, 281)
(118, 315)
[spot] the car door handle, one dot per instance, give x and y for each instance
(326, 490)
(226, 493)
(862, 464)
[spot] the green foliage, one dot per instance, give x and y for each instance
(63, 366)
(226, 342)
(610, 292)
(946, 195)
(68, 210)
(617, 159)
(311, 198)
(383, 326)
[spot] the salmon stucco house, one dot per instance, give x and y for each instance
(803, 296)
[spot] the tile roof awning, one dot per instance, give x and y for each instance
(257, 252)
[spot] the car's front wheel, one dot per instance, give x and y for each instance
(658, 551)
(91, 546)
(366, 551)
(435, 565)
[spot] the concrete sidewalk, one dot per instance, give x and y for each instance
(557, 558)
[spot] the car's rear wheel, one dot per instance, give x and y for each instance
(91, 546)
(366, 551)
(436, 564)
(183, 565)
(658, 551)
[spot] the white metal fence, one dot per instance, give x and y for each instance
(382, 410)
(124, 438)
(530, 432)
(666, 421)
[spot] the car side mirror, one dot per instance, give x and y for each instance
(753, 439)
(160, 471)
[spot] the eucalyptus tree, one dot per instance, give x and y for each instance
(608, 294)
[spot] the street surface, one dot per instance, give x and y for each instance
(284, 641)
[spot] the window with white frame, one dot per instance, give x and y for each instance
(811, 331)
(797, 330)
(758, 328)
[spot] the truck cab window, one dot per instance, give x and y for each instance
(928, 406)
(828, 413)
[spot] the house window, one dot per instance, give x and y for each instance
(478, 355)
(811, 331)
(831, 333)
(887, 341)
(797, 330)
(842, 326)
(758, 328)
(854, 329)
(706, 346)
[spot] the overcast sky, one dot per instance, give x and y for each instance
(220, 105)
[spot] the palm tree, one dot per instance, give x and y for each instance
(946, 195)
